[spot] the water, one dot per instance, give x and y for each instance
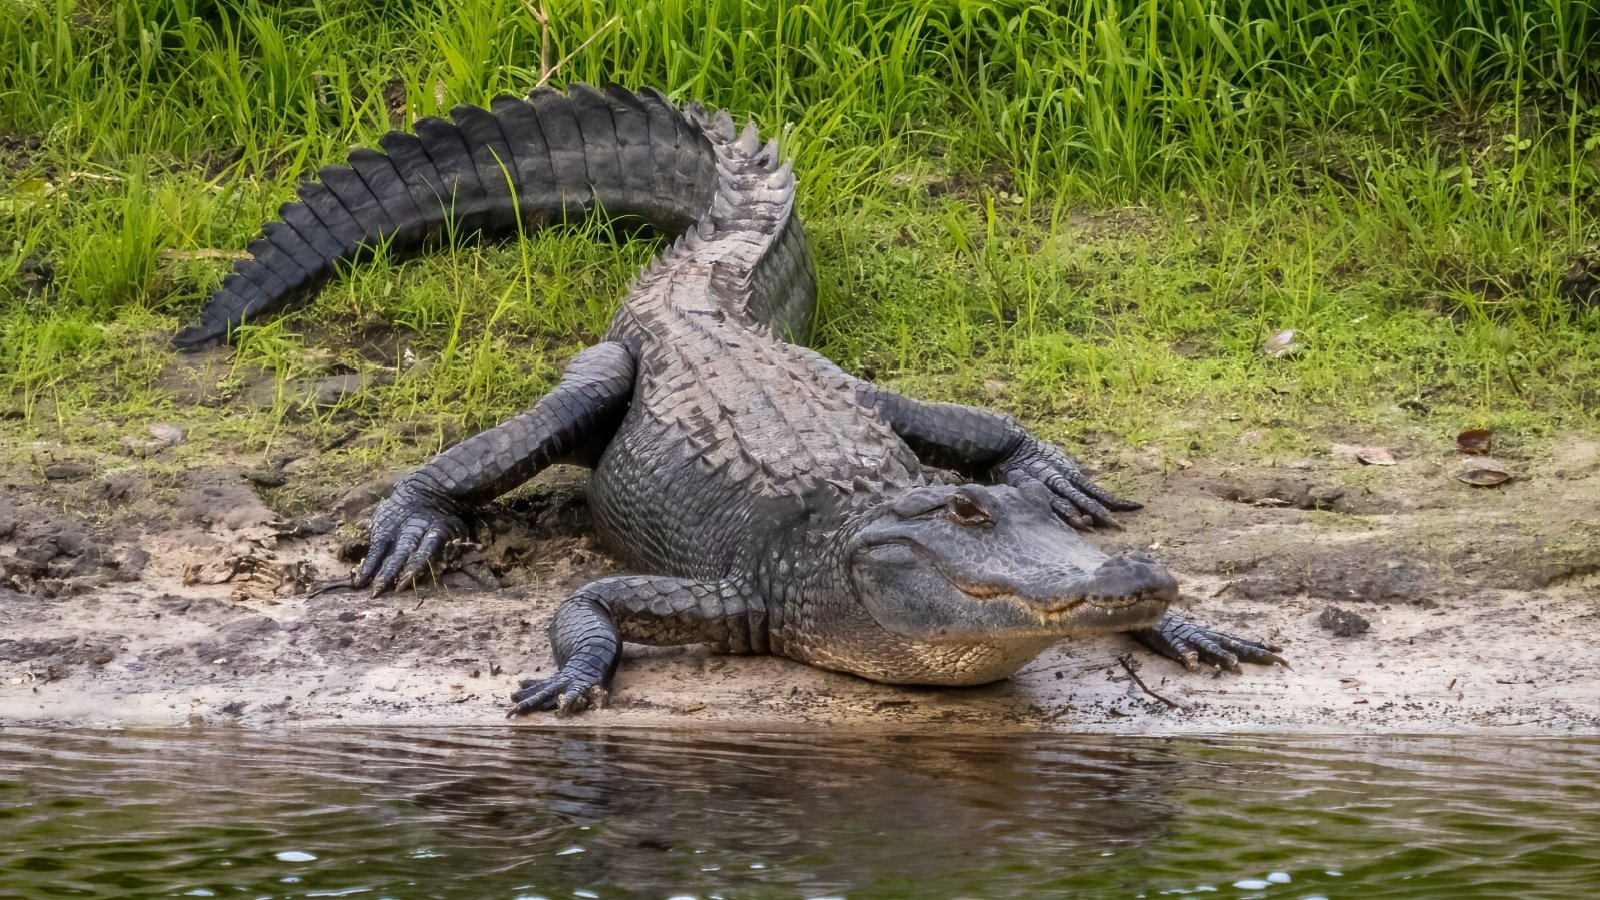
(526, 813)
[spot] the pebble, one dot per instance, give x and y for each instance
(167, 434)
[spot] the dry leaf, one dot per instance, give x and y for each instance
(1482, 471)
(1281, 344)
(1375, 456)
(1475, 441)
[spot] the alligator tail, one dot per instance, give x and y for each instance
(551, 157)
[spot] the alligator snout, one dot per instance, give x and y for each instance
(1129, 578)
(1118, 582)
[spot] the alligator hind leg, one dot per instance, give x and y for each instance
(590, 626)
(428, 508)
(1177, 638)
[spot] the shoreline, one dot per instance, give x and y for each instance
(192, 608)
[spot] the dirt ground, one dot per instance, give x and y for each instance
(1408, 601)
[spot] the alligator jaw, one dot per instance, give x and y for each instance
(1124, 592)
(1078, 612)
(1102, 613)
(1057, 605)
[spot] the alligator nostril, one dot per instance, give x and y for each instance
(1127, 576)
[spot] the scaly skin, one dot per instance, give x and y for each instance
(781, 505)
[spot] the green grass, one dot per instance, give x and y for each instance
(1092, 209)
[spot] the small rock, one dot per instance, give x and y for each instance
(329, 391)
(309, 526)
(1365, 455)
(1281, 344)
(1324, 496)
(167, 434)
(267, 478)
(347, 616)
(66, 471)
(123, 487)
(1343, 622)
(332, 389)
(1285, 492)
(130, 563)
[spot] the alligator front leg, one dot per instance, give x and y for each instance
(1177, 638)
(982, 444)
(428, 508)
(590, 626)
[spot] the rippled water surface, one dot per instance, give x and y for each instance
(524, 813)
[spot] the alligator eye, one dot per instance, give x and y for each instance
(966, 511)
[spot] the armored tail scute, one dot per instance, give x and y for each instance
(522, 164)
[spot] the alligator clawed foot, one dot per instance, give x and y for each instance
(409, 529)
(567, 692)
(1191, 644)
(1073, 494)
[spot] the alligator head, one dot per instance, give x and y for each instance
(950, 563)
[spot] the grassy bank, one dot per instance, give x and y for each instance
(1093, 209)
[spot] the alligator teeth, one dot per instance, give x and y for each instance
(983, 591)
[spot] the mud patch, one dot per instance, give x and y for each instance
(47, 554)
(223, 499)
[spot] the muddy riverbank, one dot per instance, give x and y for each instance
(132, 594)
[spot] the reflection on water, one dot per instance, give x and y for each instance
(508, 813)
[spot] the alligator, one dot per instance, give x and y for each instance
(777, 503)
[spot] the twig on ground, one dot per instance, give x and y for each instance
(338, 584)
(1127, 666)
